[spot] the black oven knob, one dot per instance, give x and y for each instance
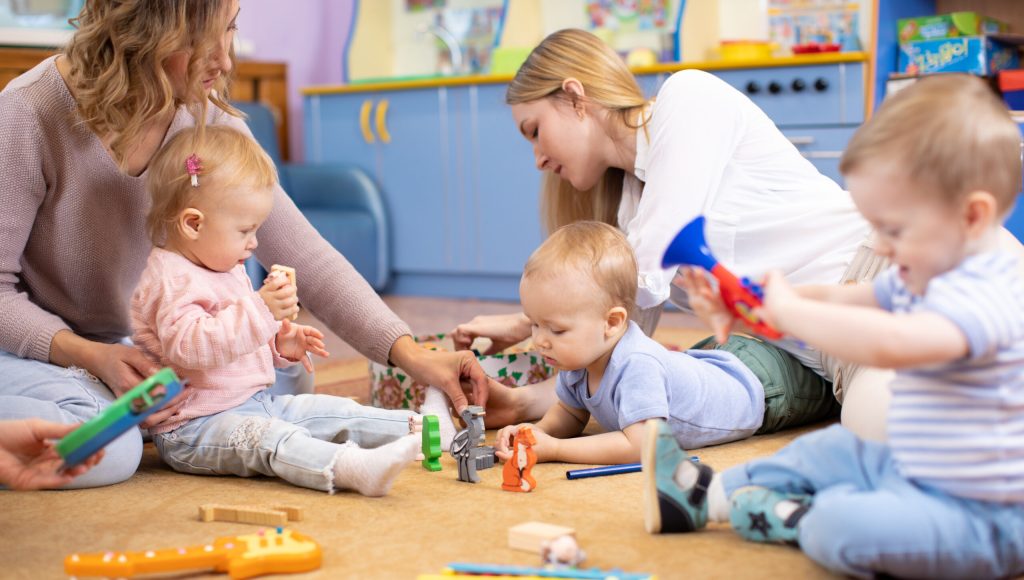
(798, 85)
(820, 84)
(774, 88)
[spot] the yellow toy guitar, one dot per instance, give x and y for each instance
(266, 552)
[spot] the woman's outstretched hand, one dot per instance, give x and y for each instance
(444, 370)
(504, 330)
(29, 459)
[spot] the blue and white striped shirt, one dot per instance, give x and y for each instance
(959, 427)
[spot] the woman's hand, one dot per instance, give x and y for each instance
(294, 340)
(28, 458)
(280, 296)
(444, 370)
(706, 303)
(119, 366)
(122, 368)
(504, 330)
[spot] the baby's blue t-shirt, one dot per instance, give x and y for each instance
(707, 396)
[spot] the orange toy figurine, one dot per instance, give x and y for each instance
(516, 473)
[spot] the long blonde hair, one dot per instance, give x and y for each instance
(116, 61)
(228, 158)
(607, 82)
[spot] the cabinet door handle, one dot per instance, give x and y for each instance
(364, 121)
(823, 154)
(382, 120)
(798, 141)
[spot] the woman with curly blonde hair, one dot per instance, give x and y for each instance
(79, 132)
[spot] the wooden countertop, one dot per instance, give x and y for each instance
(431, 82)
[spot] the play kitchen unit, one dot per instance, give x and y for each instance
(459, 181)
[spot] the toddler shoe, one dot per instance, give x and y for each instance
(764, 515)
(669, 507)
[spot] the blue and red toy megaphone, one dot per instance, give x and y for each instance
(740, 296)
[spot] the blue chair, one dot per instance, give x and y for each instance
(341, 201)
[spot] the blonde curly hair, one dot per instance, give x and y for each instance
(116, 61)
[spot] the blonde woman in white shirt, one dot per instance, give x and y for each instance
(649, 167)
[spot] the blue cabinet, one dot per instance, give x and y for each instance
(504, 185)
(457, 177)
(460, 184)
(817, 107)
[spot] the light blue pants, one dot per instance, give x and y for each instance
(866, 519)
(29, 388)
(295, 438)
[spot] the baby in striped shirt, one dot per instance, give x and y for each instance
(936, 172)
(196, 311)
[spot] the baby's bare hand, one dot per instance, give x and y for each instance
(280, 296)
(503, 441)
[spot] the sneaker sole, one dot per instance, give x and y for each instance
(648, 454)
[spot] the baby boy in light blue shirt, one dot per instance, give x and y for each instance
(577, 290)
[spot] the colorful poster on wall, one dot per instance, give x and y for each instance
(814, 25)
(420, 5)
(475, 29)
(626, 15)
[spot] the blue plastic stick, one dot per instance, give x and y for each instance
(553, 572)
(608, 470)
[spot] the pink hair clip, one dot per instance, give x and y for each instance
(193, 165)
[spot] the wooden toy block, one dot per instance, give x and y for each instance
(245, 514)
(531, 536)
(287, 271)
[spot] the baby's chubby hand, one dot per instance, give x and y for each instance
(280, 296)
(293, 341)
(544, 447)
(706, 302)
(779, 295)
(503, 441)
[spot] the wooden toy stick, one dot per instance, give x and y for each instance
(294, 512)
(247, 514)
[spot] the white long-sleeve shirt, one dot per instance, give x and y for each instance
(710, 150)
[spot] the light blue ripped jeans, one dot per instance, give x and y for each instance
(29, 388)
(295, 438)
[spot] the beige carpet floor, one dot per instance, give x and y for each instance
(428, 519)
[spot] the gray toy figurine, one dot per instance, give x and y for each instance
(467, 447)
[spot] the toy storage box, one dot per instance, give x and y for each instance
(392, 388)
(950, 25)
(1011, 85)
(981, 55)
